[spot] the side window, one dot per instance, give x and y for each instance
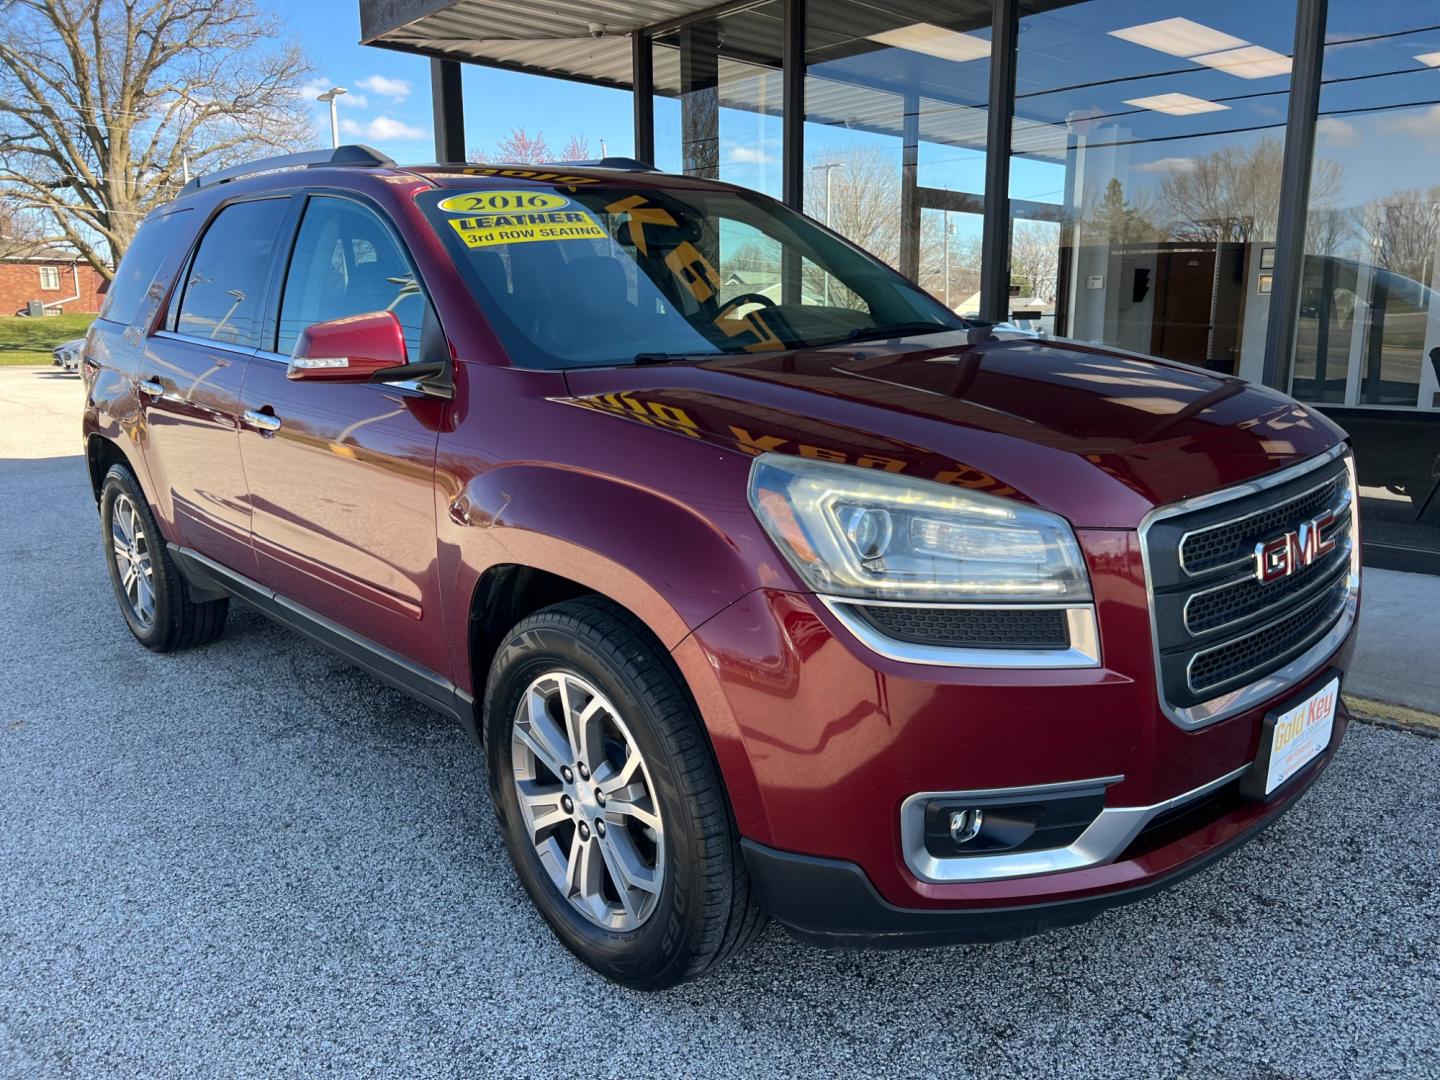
(49, 278)
(347, 263)
(139, 266)
(225, 288)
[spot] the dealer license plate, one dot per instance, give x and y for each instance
(1301, 733)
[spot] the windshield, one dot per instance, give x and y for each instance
(607, 273)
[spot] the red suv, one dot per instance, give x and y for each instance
(767, 584)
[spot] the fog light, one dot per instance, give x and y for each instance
(965, 825)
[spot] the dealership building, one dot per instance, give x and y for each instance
(1252, 188)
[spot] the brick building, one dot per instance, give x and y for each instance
(51, 279)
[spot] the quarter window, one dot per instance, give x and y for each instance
(346, 263)
(225, 288)
(138, 268)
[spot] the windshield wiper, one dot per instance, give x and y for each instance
(668, 357)
(870, 333)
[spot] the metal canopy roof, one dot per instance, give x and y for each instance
(552, 39)
(555, 39)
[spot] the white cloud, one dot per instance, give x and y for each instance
(1167, 164)
(1423, 125)
(384, 129)
(315, 87)
(749, 155)
(1335, 130)
(385, 86)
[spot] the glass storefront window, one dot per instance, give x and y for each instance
(1367, 342)
(1147, 149)
(895, 131)
(718, 97)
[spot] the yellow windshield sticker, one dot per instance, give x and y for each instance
(487, 230)
(501, 202)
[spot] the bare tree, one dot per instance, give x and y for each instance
(20, 231)
(1233, 193)
(577, 149)
(1035, 258)
(104, 103)
(519, 147)
(1330, 231)
(1405, 227)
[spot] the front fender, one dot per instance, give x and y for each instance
(662, 559)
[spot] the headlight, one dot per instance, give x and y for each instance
(856, 532)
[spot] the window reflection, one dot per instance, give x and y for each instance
(895, 130)
(1369, 324)
(1145, 178)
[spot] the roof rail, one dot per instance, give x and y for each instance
(353, 155)
(623, 164)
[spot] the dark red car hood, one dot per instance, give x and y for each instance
(1096, 435)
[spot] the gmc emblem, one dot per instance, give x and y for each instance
(1281, 557)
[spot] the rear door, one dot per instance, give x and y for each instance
(192, 375)
(342, 485)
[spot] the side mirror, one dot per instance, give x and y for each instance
(357, 348)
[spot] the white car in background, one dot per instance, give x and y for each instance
(67, 354)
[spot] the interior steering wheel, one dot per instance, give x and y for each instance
(748, 298)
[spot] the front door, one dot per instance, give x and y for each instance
(191, 377)
(342, 481)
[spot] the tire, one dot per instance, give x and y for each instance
(153, 596)
(693, 907)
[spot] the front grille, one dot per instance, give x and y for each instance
(1219, 606)
(1217, 626)
(1220, 545)
(1225, 664)
(1015, 628)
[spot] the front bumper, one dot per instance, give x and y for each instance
(832, 903)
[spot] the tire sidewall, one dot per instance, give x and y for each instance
(118, 481)
(657, 951)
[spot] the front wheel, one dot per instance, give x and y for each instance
(609, 798)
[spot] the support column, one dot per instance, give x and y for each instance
(449, 110)
(792, 137)
(995, 237)
(1308, 64)
(700, 100)
(642, 81)
(909, 182)
(792, 105)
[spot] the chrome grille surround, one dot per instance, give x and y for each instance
(1329, 591)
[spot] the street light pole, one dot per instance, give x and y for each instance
(330, 96)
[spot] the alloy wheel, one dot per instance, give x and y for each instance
(130, 548)
(588, 802)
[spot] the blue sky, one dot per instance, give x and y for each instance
(388, 104)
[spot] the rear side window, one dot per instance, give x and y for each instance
(225, 288)
(139, 266)
(347, 263)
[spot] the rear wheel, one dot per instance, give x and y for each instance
(609, 799)
(152, 595)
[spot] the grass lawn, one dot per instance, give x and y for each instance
(29, 341)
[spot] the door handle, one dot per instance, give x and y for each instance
(152, 388)
(263, 422)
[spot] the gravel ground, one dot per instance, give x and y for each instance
(253, 860)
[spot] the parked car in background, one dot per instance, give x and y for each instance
(67, 354)
(812, 602)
